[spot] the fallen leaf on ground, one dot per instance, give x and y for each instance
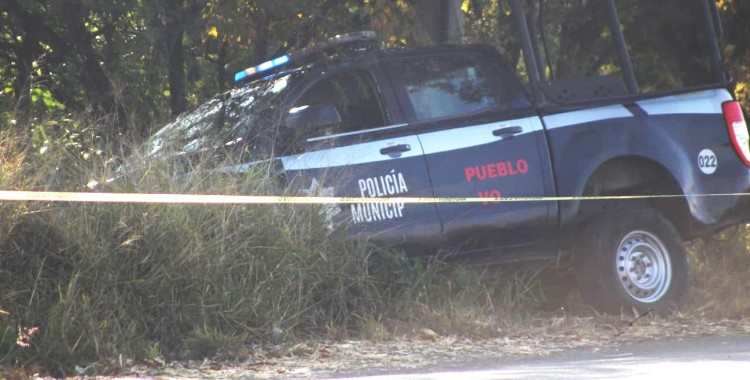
(427, 334)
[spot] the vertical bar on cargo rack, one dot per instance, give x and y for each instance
(535, 29)
(712, 39)
(622, 50)
(528, 50)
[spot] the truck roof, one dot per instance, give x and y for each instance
(347, 47)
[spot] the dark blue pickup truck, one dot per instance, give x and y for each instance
(347, 119)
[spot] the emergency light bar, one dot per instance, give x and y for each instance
(265, 66)
(355, 42)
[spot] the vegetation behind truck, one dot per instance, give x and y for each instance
(346, 119)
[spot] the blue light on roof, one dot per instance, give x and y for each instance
(265, 66)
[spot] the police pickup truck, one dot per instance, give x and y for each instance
(346, 119)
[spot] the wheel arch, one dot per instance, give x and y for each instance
(636, 175)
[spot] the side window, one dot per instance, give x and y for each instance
(444, 86)
(340, 103)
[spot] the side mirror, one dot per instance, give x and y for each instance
(313, 117)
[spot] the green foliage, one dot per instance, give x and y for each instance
(116, 56)
(121, 56)
(737, 50)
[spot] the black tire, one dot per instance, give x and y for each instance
(632, 258)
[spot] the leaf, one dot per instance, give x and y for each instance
(213, 32)
(427, 334)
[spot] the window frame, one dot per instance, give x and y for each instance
(380, 93)
(493, 75)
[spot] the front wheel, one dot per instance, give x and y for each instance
(632, 259)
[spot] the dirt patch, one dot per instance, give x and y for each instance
(423, 350)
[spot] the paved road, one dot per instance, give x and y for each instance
(710, 358)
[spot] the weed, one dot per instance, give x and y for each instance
(721, 267)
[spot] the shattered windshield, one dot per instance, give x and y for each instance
(240, 119)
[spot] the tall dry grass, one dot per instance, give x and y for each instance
(721, 275)
(100, 280)
(91, 282)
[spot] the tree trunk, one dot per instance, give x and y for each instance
(221, 64)
(510, 39)
(443, 22)
(26, 54)
(177, 93)
(175, 31)
(262, 32)
(99, 89)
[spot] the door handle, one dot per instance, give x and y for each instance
(400, 148)
(506, 132)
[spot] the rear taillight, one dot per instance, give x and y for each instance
(737, 130)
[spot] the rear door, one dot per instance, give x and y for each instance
(368, 154)
(481, 139)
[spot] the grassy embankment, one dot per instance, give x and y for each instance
(81, 283)
(87, 282)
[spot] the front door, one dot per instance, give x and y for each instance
(364, 155)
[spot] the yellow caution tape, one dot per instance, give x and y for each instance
(86, 197)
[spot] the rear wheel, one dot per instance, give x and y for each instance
(632, 258)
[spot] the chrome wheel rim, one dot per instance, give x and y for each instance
(643, 267)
